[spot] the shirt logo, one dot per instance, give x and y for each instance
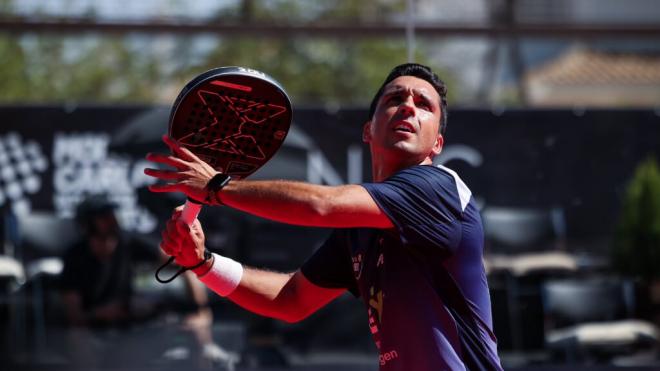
(376, 302)
(387, 356)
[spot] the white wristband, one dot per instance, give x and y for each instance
(224, 276)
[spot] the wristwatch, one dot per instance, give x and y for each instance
(216, 184)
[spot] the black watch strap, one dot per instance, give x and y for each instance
(217, 183)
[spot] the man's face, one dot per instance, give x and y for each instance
(406, 120)
(103, 242)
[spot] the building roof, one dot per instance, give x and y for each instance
(585, 67)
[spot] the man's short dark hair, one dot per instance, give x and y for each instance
(424, 73)
(92, 208)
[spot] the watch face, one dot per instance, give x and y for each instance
(218, 182)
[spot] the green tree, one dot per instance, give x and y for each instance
(12, 73)
(636, 250)
(152, 69)
(301, 11)
(42, 68)
(316, 71)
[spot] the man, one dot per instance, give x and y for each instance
(99, 269)
(409, 244)
(98, 292)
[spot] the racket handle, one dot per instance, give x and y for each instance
(190, 211)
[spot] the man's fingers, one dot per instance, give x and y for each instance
(172, 238)
(188, 153)
(177, 213)
(167, 160)
(158, 188)
(196, 230)
(171, 143)
(164, 174)
(182, 227)
(170, 246)
(172, 230)
(178, 150)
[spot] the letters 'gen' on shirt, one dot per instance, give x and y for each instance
(423, 282)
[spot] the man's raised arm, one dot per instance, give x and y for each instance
(283, 201)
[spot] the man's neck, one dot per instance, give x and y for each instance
(382, 169)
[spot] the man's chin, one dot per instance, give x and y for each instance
(404, 150)
(404, 147)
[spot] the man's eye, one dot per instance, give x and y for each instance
(393, 99)
(424, 104)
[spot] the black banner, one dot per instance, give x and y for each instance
(578, 162)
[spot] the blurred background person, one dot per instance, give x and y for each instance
(108, 317)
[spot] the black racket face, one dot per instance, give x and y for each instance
(233, 118)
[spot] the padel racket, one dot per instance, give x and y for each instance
(233, 118)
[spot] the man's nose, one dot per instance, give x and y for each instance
(407, 106)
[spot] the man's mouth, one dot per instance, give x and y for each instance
(404, 126)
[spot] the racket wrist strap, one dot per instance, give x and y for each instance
(215, 185)
(207, 255)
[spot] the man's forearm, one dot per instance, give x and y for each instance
(288, 297)
(258, 291)
(304, 203)
(265, 293)
(283, 201)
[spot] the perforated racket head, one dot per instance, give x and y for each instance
(233, 118)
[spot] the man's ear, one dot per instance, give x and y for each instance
(437, 146)
(366, 132)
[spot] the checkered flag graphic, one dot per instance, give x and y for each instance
(20, 165)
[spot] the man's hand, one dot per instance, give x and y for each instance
(185, 243)
(190, 177)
